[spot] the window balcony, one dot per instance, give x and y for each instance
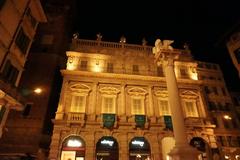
(78, 118)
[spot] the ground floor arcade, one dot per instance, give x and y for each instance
(75, 143)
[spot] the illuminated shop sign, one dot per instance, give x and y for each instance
(74, 143)
(108, 142)
(140, 143)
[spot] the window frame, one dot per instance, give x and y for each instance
(103, 108)
(110, 67)
(142, 107)
(73, 108)
(22, 41)
(195, 112)
(162, 112)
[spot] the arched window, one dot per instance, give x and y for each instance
(73, 148)
(139, 149)
(107, 149)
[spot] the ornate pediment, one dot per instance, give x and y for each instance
(161, 93)
(109, 90)
(137, 91)
(189, 94)
(79, 88)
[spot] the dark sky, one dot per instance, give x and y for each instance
(202, 24)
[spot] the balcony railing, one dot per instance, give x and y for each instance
(12, 91)
(76, 117)
(82, 43)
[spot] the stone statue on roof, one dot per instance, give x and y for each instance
(99, 37)
(123, 39)
(159, 45)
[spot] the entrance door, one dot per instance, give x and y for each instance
(139, 149)
(107, 149)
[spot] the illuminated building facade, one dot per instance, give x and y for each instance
(18, 24)
(114, 105)
(233, 46)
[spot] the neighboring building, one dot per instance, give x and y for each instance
(114, 103)
(32, 132)
(236, 102)
(233, 46)
(18, 23)
(221, 110)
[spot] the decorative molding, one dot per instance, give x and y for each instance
(161, 93)
(137, 91)
(79, 88)
(109, 90)
(189, 94)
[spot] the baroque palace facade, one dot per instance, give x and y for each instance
(114, 105)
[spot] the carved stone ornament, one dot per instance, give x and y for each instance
(109, 90)
(79, 88)
(137, 91)
(161, 93)
(188, 94)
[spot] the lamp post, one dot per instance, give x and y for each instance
(166, 55)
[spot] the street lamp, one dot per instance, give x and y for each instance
(165, 54)
(37, 90)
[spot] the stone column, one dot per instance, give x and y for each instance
(60, 109)
(151, 113)
(94, 99)
(90, 147)
(123, 106)
(155, 149)
(182, 150)
(123, 147)
(166, 55)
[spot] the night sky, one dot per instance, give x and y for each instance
(202, 24)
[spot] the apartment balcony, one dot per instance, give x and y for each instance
(11, 95)
(76, 118)
(197, 122)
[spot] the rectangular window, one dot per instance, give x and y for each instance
(212, 106)
(226, 123)
(237, 55)
(135, 69)
(160, 71)
(222, 140)
(27, 110)
(78, 104)
(215, 121)
(83, 65)
(224, 92)
(108, 105)
(10, 73)
(2, 3)
(191, 110)
(183, 72)
(32, 19)
(207, 91)
(110, 67)
(2, 111)
(137, 106)
(164, 109)
(22, 41)
(208, 66)
(215, 90)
